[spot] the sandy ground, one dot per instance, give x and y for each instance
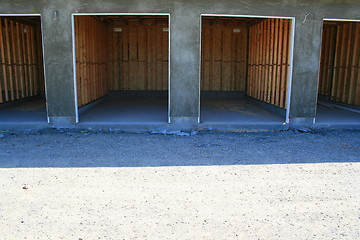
(313, 199)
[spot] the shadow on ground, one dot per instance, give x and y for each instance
(68, 149)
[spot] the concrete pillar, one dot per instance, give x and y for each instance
(184, 67)
(307, 47)
(58, 60)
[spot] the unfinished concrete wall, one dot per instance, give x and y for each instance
(184, 48)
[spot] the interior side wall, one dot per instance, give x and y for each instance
(269, 64)
(91, 58)
(341, 80)
(224, 55)
(327, 60)
(139, 50)
(21, 71)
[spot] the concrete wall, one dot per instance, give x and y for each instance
(185, 46)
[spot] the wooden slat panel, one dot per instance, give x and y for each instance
(25, 62)
(3, 67)
(350, 45)
(20, 53)
(226, 60)
(33, 61)
(344, 72)
(9, 61)
(19, 59)
(14, 60)
(278, 63)
(355, 69)
(223, 56)
(285, 64)
(159, 56)
(269, 53)
(91, 59)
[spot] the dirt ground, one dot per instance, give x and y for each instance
(206, 185)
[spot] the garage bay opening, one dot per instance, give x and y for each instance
(339, 79)
(22, 86)
(122, 64)
(245, 69)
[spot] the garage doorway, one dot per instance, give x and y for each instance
(246, 69)
(22, 81)
(122, 67)
(339, 77)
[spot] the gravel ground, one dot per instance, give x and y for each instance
(96, 185)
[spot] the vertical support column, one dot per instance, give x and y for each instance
(59, 75)
(306, 64)
(184, 67)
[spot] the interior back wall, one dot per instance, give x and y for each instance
(224, 54)
(138, 51)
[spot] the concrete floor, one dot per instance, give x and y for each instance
(236, 110)
(32, 110)
(123, 110)
(118, 109)
(327, 115)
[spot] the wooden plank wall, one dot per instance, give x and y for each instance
(268, 61)
(327, 60)
(341, 45)
(139, 54)
(224, 55)
(91, 58)
(21, 67)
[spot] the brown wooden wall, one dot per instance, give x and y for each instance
(327, 60)
(224, 54)
(139, 54)
(91, 58)
(340, 62)
(21, 70)
(268, 62)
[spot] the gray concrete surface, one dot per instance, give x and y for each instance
(266, 185)
(25, 111)
(236, 111)
(127, 110)
(118, 109)
(184, 47)
(327, 116)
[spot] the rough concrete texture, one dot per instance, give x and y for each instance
(185, 45)
(286, 185)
